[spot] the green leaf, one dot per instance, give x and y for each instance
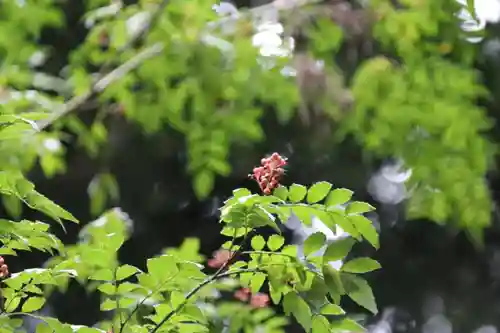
(13, 205)
(257, 281)
(359, 291)
(258, 242)
(339, 196)
(43, 328)
(358, 207)
(177, 298)
(203, 183)
(275, 242)
(338, 250)
(260, 217)
(125, 271)
(11, 304)
(108, 305)
(233, 232)
(333, 282)
(318, 192)
(471, 8)
(241, 192)
(332, 309)
(320, 324)
(346, 224)
(295, 305)
(366, 229)
(162, 267)
(105, 274)
(346, 325)
(297, 192)
(33, 304)
(314, 242)
(126, 287)
(281, 192)
(304, 213)
(360, 265)
(107, 288)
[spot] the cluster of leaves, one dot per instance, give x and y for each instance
(192, 87)
(422, 109)
(177, 294)
(421, 106)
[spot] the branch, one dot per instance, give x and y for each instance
(101, 84)
(217, 275)
(77, 101)
(198, 288)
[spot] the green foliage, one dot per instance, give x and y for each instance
(424, 110)
(179, 294)
(417, 103)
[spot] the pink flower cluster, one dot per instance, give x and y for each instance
(220, 258)
(4, 269)
(269, 174)
(257, 300)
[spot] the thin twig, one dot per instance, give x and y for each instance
(217, 275)
(193, 292)
(131, 314)
(77, 101)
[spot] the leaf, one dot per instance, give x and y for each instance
(320, 324)
(162, 267)
(177, 298)
(332, 309)
(11, 304)
(360, 265)
(13, 205)
(104, 274)
(297, 192)
(233, 232)
(258, 242)
(125, 271)
(333, 282)
(318, 192)
(293, 304)
(314, 242)
(262, 217)
(33, 304)
(203, 183)
(241, 192)
(359, 291)
(471, 8)
(304, 213)
(108, 305)
(346, 325)
(339, 196)
(281, 192)
(366, 229)
(275, 242)
(358, 207)
(127, 287)
(256, 282)
(43, 328)
(107, 288)
(346, 224)
(338, 250)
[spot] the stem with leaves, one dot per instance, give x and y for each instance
(217, 275)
